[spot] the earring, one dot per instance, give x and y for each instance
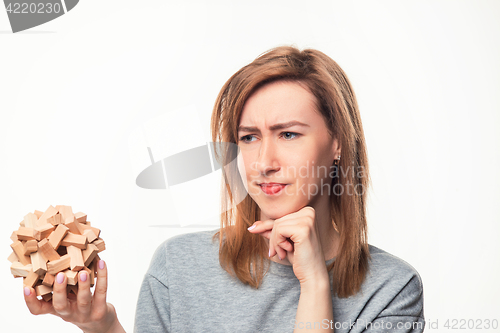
(337, 161)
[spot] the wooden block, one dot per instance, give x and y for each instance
(43, 231)
(30, 220)
(39, 263)
(31, 279)
(51, 211)
(48, 251)
(24, 233)
(57, 236)
(86, 269)
(67, 214)
(42, 290)
(14, 236)
(56, 266)
(21, 223)
(100, 244)
(18, 248)
(90, 235)
(20, 270)
(79, 241)
(72, 289)
(96, 263)
(89, 254)
(75, 253)
(55, 220)
(13, 257)
(62, 250)
(81, 217)
(92, 273)
(30, 246)
(47, 297)
(48, 280)
(72, 277)
(38, 213)
(96, 231)
(74, 226)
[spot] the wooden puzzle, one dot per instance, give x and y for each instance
(54, 241)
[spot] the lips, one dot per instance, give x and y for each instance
(272, 188)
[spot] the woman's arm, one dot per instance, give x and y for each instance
(296, 237)
(315, 311)
(89, 312)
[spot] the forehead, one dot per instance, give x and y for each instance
(278, 102)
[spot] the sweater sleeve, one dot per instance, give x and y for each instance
(404, 313)
(153, 306)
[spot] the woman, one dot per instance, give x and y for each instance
(292, 254)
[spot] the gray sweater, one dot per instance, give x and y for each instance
(186, 290)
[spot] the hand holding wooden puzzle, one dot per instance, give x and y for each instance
(54, 241)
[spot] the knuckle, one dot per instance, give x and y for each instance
(98, 315)
(310, 211)
(101, 291)
(59, 308)
(84, 302)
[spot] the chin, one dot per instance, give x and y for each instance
(275, 213)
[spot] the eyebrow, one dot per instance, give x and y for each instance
(273, 127)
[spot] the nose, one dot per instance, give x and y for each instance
(267, 162)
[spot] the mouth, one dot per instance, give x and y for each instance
(272, 188)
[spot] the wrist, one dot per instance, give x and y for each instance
(116, 327)
(316, 280)
(316, 285)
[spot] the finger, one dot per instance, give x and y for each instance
(279, 249)
(280, 252)
(266, 234)
(101, 288)
(60, 295)
(281, 238)
(84, 297)
(275, 249)
(260, 226)
(35, 305)
(264, 229)
(283, 242)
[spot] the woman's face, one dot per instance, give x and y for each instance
(284, 140)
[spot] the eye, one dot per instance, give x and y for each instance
(245, 138)
(290, 136)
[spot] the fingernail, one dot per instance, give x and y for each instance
(279, 257)
(269, 253)
(101, 264)
(250, 228)
(83, 276)
(60, 277)
(27, 291)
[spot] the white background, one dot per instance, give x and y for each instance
(74, 91)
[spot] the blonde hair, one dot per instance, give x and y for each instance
(243, 254)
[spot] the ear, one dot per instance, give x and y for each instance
(336, 149)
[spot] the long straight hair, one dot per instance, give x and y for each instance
(243, 254)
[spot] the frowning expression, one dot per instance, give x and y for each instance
(285, 148)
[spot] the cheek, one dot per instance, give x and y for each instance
(242, 170)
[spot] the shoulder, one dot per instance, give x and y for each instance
(184, 252)
(386, 265)
(394, 284)
(189, 241)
